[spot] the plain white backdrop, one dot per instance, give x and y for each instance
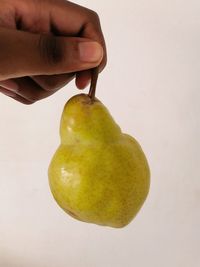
(152, 88)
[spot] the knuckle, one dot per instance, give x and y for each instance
(51, 49)
(26, 97)
(51, 83)
(27, 103)
(93, 14)
(22, 100)
(33, 98)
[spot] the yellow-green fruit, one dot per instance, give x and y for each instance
(98, 174)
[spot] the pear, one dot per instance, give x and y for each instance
(98, 174)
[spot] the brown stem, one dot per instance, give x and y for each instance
(92, 91)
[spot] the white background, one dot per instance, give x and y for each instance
(152, 88)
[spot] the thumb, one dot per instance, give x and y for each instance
(26, 54)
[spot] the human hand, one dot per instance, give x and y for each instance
(44, 44)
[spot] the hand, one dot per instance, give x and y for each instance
(44, 44)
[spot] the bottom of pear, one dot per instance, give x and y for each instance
(75, 216)
(72, 214)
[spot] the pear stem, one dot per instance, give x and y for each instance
(92, 91)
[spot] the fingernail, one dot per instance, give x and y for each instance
(90, 51)
(10, 85)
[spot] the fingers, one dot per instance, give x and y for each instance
(25, 89)
(53, 83)
(59, 17)
(83, 79)
(74, 19)
(14, 96)
(93, 31)
(71, 19)
(50, 60)
(30, 90)
(34, 88)
(33, 54)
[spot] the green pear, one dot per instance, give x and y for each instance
(98, 174)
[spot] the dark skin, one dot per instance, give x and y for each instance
(44, 45)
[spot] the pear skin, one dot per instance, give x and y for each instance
(98, 174)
